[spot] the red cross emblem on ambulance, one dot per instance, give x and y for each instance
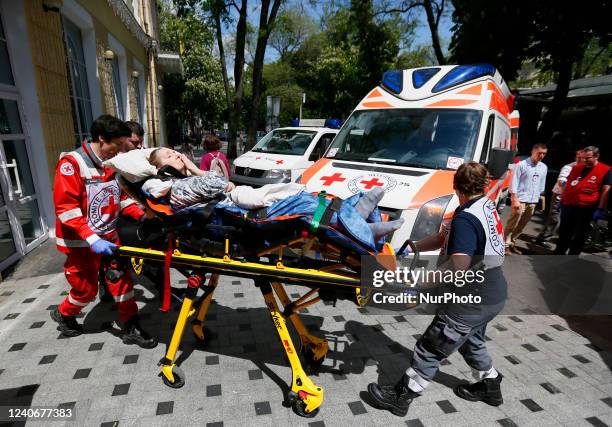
(329, 180)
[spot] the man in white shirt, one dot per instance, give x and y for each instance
(551, 224)
(528, 183)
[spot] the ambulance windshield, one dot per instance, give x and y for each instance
(426, 138)
(285, 141)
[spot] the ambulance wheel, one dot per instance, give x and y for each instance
(179, 378)
(299, 407)
(309, 357)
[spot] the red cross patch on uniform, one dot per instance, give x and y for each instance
(67, 169)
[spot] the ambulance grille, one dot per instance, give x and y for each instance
(253, 173)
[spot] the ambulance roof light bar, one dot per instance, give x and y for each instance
(423, 75)
(393, 80)
(463, 73)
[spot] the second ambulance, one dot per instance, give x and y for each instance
(411, 133)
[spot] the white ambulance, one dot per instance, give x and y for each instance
(411, 133)
(283, 154)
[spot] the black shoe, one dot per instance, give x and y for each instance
(67, 324)
(543, 243)
(396, 398)
(134, 334)
(487, 391)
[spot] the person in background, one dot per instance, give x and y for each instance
(584, 199)
(88, 201)
(135, 141)
(214, 160)
(551, 224)
(528, 183)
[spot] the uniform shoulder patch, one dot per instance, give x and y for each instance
(67, 169)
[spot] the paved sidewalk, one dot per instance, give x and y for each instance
(553, 376)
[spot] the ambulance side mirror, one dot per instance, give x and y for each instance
(499, 160)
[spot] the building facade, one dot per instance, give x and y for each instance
(62, 64)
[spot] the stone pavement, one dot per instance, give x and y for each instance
(553, 376)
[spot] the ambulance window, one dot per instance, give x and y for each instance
(484, 154)
(321, 146)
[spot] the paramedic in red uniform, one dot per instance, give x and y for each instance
(584, 199)
(87, 201)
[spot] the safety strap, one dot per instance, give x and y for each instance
(332, 208)
(318, 214)
(167, 287)
(258, 214)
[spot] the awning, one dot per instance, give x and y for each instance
(588, 86)
(170, 62)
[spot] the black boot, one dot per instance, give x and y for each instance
(487, 391)
(134, 334)
(67, 324)
(396, 398)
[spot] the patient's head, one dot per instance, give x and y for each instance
(166, 157)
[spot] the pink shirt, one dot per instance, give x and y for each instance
(208, 158)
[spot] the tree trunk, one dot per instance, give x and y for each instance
(433, 28)
(265, 27)
(549, 121)
(236, 106)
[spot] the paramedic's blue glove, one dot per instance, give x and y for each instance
(599, 214)
(104, 247)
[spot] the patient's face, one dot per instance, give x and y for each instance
(168, 157)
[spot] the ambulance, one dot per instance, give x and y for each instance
(410, 134)
(284, 154)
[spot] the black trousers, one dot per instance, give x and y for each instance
(575, 221)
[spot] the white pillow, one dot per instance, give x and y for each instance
(133, 165)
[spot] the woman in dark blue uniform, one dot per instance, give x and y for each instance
(474, 241)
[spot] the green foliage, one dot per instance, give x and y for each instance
(199, 92)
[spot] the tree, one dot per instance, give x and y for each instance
(267, 17)
(199, 92)
(553, 35)
(220, 12)
(290, 31)
(434, 11)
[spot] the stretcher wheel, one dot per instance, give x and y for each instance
(299, 407)
(179, 378)
(309, 357)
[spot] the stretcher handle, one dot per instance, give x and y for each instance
(413, 248)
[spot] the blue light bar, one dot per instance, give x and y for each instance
(392, 80)
(422, 76)
(462, 74)
(333, 123)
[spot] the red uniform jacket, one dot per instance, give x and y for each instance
(584, 191)
(87, 201)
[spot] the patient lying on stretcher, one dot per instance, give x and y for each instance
(357, 215)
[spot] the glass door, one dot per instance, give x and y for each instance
(21, 225)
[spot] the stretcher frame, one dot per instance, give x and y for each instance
(304, 396)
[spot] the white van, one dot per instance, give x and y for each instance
(282, 155)
(411, 133)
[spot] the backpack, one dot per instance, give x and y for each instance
(218, 166)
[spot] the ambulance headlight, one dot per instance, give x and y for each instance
(430, 218)
(281, 174)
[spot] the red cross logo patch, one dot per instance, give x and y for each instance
(329, 180)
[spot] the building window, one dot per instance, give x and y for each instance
(6, 75)
(138, 101)
(79, 86)
(119, 108)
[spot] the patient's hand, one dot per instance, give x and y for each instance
(191, 167)
(230, 187)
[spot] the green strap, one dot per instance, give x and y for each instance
(316, 218)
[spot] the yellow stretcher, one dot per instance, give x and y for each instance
(305, 397)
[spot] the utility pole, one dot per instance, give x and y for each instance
(303, 101)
